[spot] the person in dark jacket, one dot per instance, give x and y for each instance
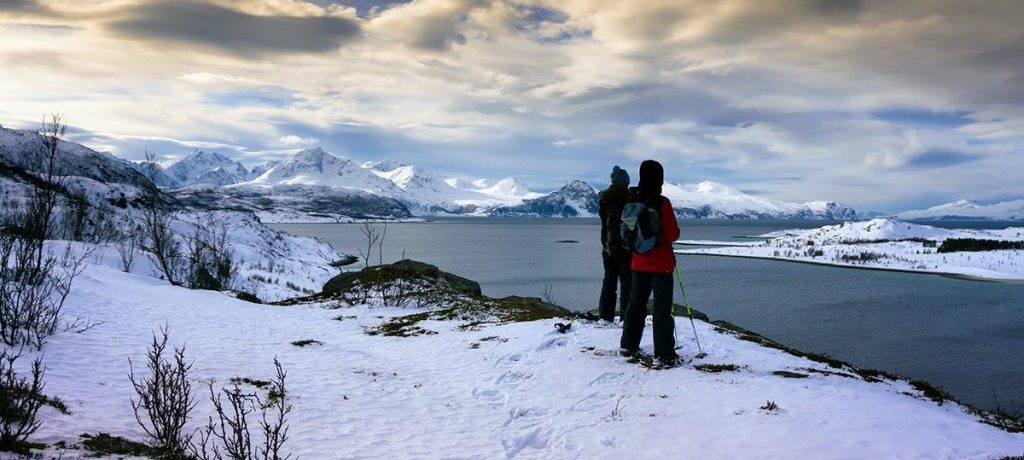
(615, 253)
(652, 271)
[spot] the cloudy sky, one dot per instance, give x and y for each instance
(884, 105)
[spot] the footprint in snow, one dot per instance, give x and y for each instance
(551, 343)
(607, 377)
(512, 379)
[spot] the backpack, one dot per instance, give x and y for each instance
(641, 225)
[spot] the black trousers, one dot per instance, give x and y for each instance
(616, 273)
(664, 324)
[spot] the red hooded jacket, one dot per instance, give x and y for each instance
(661, 259)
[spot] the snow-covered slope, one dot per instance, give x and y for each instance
(518, 390)
(969, 210)
(714, 200)
(575, 199)
(207, 168)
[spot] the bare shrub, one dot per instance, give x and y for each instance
(164, 396)
(229, 436)
(211, 262)
(32, 289)
(20, 401)
(127, 245)
(159, 241)
(374, 238)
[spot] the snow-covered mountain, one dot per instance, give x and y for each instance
(20, 148)
(969, 210)
(207, 168)
(261, 169)
(156, 173)
(714, 200)
(575, 199)
(316, 167)
(319, 185)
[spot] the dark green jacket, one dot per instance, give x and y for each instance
(610, 204)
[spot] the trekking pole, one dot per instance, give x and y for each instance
(689, 312)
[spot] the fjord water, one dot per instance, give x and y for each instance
(964, 336)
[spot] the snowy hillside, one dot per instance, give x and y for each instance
(515, 390)
(714, 200)
(20, 147)
(969, 210)
(881, 244)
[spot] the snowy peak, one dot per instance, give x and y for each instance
(207, 168)
(709, 187)
(507, 187)
(969, 210)
(316, 167)
(575, 199)
(383, 165)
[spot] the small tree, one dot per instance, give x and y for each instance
(160, 243)
(165, 398)
(211, 262)
(127, 244)
(20, 400)
(373, 237)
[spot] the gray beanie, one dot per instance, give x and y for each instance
(620, 177)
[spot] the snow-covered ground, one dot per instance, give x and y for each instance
(880, 244)
(519, 390)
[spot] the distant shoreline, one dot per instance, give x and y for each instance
(959, 276)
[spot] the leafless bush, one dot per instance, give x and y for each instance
(74, 216)
(211, 262)
(159, 241)
(32, 290)
(164, 396)
(374, 238)
(20, 401)
(127, 245)
(228, 436)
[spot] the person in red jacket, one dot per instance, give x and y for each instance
(652, 271)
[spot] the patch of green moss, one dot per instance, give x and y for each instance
(401, 270)
(790, 374)
(717, 368)
(931, 392)
(306, 342)
(245, 296)
(103, 444)
(261, 384)
(21, 448)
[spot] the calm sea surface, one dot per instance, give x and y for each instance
(964, 336)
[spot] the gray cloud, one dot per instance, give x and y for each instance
(26, 7)
(937, 158)
(204, 24)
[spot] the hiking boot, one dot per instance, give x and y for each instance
(627, 353)
(666, 363)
